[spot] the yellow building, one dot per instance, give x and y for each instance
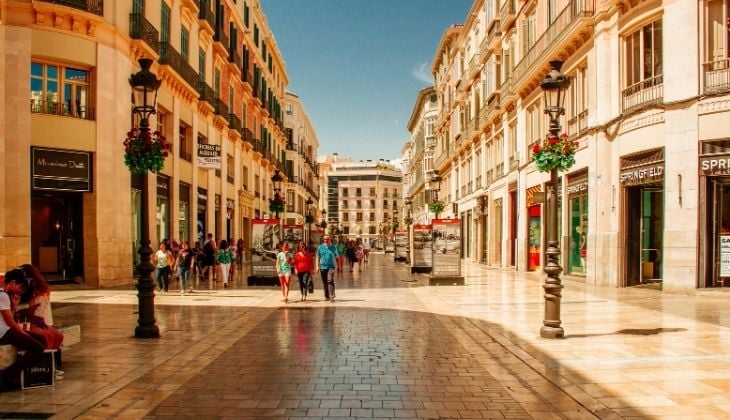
(69, 202)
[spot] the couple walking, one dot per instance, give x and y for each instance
(303, 265)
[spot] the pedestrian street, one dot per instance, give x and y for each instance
(391, 347)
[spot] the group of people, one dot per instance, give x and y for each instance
(330, 259)
(26, 321)
(213, 260)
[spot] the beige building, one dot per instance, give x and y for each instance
(649, 107)
(69, 202)
(363, 198)
(417, 155)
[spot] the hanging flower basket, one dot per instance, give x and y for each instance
(145, 151)
(554, 153)
(408, 221)
(277, 205)
(436, 207)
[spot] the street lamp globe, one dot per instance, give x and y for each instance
(554, 86)
(144, 92)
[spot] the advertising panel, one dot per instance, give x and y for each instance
(317, 234)
(446, 248)
(265, 234)
(402, 245)
(293, 234)
(209, 156)
(422, 246)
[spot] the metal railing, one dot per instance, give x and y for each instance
(247, 135)
(92, 6)
(141, 28)
(67, 109)
(716, 75)
(221, 108)
(221, 36)
(234, 123)
(499, 170)
(170, 56)
(206, 92)
(506, 89)
(563, 24)
(234, 57)
(577, 124)
(646, 92)
(507, 11)
(490, 176)
(205, 14)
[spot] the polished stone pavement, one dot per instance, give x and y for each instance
(392, 347)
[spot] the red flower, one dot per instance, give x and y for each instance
(536, 148)
(553, 141)
(164, 153)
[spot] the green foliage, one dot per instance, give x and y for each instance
(554, 153)
(145, 151)
(436, 207)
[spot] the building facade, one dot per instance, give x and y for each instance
(648, 107)
(363, 199)
(418, 155)
(78, 211)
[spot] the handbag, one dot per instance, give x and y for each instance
(311, 285)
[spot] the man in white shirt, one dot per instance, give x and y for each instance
(366, 248)
(14, 286)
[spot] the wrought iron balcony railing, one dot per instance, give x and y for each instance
(205, 13)
(206, 92)
(247, 135)
(221, 108)
(92, 6)
(170, 56)
(646, 92)
(140, 28)
(234, 123)
(716, 76)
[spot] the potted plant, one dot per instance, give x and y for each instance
(277, 205)
(145, 151)
(554, 153)
(436, 207)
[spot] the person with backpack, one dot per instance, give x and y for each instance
(184, 264)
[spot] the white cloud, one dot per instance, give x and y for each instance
(422, 73)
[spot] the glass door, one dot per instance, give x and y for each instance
(652, 229)
(721, 232)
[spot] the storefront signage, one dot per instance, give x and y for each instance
(724, 256)
(209, 156)
(446, 248)
(642, 175)
(579, 188)
(60, 170)
(716, 165)
(293, 234)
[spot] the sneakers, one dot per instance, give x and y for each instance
(182, 292)
(59, 374)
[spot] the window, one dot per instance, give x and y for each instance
(552, 11)
(165, 23)
(346, 230)
(372, 194)
(184, 43)
(358, 217)
(643, 66)
(385, 203)
(529, 35)
(244, 178)
(344, 192)
(358, 204)
(162, 122)
(372, 217)
(345, 217)
(186, 144)
(358, 192)
(59, 90)
(257, 185)
(201, 65)
(256, 35)
(217, 83)
(371, 230)
(230, 169)
(345, 204)
(246, 15)
(717, 35)
(534, 128)
(372, 204)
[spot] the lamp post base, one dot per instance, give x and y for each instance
(551, 332)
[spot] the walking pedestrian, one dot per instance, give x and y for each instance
(239, 254)
(283, 269)
(184, 264)
(303, 267)
(224, 257)
(198, 255)
(341, 248)
(350, 254)
(327, 254)
(209, 258)
(366, 249)
(162, 259)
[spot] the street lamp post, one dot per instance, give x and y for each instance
(554, 86)
(144, 85)
(310, 219)
(276, 179)
(435, 179)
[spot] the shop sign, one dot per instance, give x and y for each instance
(422, 246)
(60, 170)
(716, 165)
(724, 256)
(209, 156)
(580, 188)
(642, 175)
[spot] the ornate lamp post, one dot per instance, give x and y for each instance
(144, 98)
(278, 199)
(435, 180)
(554, 86)
(309, 219)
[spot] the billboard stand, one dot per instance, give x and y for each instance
(422, 249)
(266, 235)
(446, 251)
(402, 250)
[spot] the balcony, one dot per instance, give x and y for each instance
(140, 28)
(562, 30)
(206, 92)
(235, 58)
(507, 13)
(494, 35)
(499, 170)
(170, 56)
(221, 41)
(513, 163)
(92, 6)
(234, 123)
(646, 92)
(473, 65)
(506, 91)
(716, 76)
(247, 77)
(220, 108)
(206, 17)
(62, 109)
(479, 182)
(490, 176)
(474, 125)
(247, 135)
(490, 108)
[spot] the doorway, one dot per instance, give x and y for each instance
(56, 235)
(645, 221)
(719, 238)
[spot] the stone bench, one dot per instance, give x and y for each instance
(71, 336)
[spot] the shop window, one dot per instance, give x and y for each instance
(59, 90)
(186, 143)
(643, 73)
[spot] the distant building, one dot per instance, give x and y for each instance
(361, 198)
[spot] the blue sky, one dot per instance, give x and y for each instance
(358, 65)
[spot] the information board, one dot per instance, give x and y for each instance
(402, 245)
(209, 156)
(266, 235)
(293, 234)
(422, 246)
(724, 256)
(446, 248)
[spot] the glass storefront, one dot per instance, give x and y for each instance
(578, 235)
(202, 207)
(163, 209)
(534, 228)
(184, 225)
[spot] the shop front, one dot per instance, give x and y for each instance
(497, 232)
(59, 180)
(512, 227)
(578, 222)
(483, 214)
(163, 209)
(184, 217)
(230, 214)
(714, 264)
(217, 234)
(534, 228)
(202, 209)
(642, 180)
